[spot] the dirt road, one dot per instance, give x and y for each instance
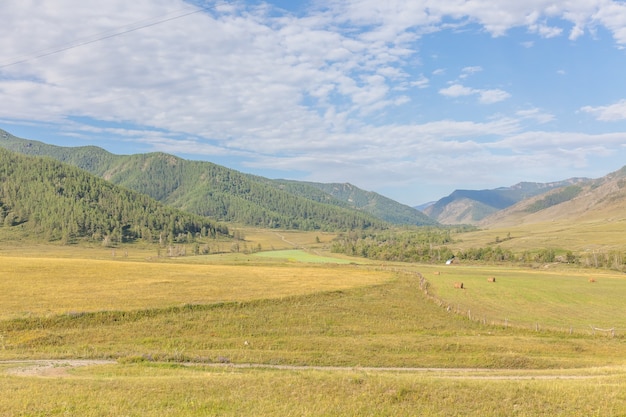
(60, 368)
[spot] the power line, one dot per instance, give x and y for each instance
(105, 35)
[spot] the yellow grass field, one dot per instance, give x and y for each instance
(44, 286)
(299, 333)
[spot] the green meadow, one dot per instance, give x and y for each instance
(294, 332)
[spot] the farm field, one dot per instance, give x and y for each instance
(596, 234)
(559, 297)
(295, 333)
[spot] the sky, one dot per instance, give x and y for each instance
(411, 99)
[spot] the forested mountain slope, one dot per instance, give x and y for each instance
(351, 196)
(203, 188)
(47, 199)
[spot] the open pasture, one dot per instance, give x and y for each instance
(294, 255)
(579, 237)
(33, 286)
(258, 336)
(548, 298)
(155, 390)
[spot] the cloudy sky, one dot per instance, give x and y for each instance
(411, 98)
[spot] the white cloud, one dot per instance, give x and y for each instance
(612, 112)
(421, 82)
(484, 96)
(457, 90)
(303, 92)
(493, 96)
(535, 114)
(467, 71)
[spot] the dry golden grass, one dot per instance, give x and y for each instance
(293, 317)
(606, 234)
(151, 390)
(43, 286)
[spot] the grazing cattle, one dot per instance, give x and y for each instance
(592, 280)
(458, 285)
(491, 279)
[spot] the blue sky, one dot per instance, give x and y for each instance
(411, 99)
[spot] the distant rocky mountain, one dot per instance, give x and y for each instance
(472, 206)
(424, 206)
(583, 200)
(227, 195)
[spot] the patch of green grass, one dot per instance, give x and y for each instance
(295, 255)
(557, 298)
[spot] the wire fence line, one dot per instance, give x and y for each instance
(458, 309)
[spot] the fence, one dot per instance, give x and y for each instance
(424, 286)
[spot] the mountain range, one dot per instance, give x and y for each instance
(473, 206)
(227, 195)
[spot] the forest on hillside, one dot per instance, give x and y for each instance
(212, 190)
(55, 201)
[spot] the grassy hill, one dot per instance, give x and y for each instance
(587, 218)
(205, 188)
(46, 199)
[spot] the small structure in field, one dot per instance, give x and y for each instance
(458, 285)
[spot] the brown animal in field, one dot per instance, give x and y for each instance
(458, 285)
(592, 280)
(491, 279)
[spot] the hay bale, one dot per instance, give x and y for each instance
(491, 279)
(458, 285)
(592, 280)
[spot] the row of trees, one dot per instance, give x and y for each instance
(419, 245)
(432, 245)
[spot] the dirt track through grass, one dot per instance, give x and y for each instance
(60, 368)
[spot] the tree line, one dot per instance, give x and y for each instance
(431, 245)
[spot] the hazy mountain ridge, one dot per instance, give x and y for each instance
(205, 188)
(601, 199)
(472, 206)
